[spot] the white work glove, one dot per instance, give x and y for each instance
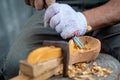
(65, 20)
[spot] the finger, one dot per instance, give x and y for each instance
(59, 27)
(50, 12)
(32, 3)
(39, 4)
(27, 2)
(49, 2)
(54, 21)
(67, 32)
(75, 33)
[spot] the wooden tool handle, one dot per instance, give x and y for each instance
(89, 28)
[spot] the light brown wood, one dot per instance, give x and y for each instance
(90, 52)
(38, 69)
(43, 54)
(77, 55)
(89, 28)
(43, 76)
(20, 77)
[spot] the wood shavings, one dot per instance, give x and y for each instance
(82, 71)
(88, 71)
(85, 47)
(81, 68)
(99, 71)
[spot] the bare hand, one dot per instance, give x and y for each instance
(39, 4)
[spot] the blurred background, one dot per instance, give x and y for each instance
(13, 15)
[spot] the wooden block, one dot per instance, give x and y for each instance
(46, 75)
(43, 76)
(20, 77)
(38, 69)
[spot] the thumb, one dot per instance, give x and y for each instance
(49, 2)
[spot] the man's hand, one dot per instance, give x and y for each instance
(39, 4)
(65, 20)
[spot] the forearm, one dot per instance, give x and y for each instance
(104, 15)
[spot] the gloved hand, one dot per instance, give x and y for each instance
(65, 20)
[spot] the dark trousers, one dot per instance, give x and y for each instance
(34, 32)
(110, 39)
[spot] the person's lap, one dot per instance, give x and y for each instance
(29, 39)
